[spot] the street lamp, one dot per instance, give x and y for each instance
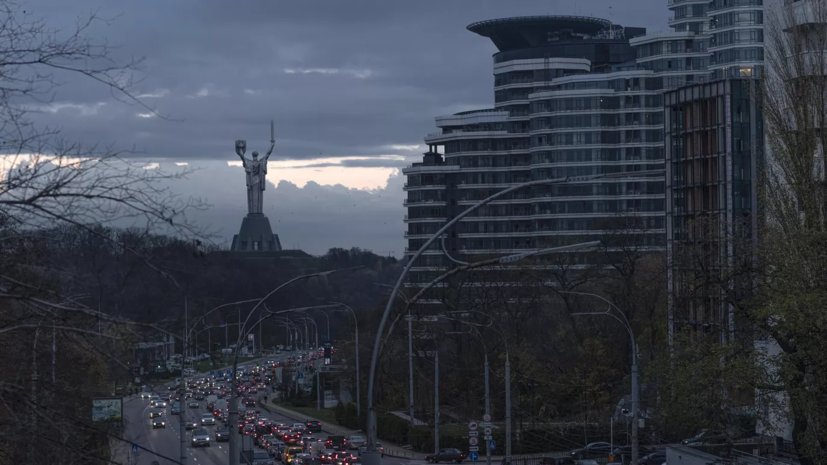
(635, 387)
(402, 296)
(356, 326)
(233, 407)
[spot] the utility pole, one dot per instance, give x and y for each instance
(436, 401)
(487, 411)
(635, 450)
(182, 402)
(410, 368)
(507, 411)
(54, 352)
(318, 390)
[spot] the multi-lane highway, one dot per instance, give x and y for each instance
(163, 444)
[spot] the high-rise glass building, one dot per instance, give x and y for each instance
(568, 100)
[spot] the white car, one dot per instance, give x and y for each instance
(355, 442)
(154, 400)
(207, 419)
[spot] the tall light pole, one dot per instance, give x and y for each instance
(233, 407)
(327, 318)
(635, 388)
(402, 295)
(358, 379)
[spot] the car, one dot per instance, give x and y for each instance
(161, 404)
(446, 455)
(354, 442)
(261, 457)
(190, 425)
(381, 449)
(335, 442)
(557, 460)
(265, 439)
(175, 409)
(592, 450)
(207, 419)
(222, 434)
(655, 458)
(290, 452)
(193, 404)
(155, 413)
(146, 394)
(314, 426)
(338, 458)
(200, 437)
(159, 422)
(153, 400)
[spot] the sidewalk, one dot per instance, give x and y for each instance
(393, 450)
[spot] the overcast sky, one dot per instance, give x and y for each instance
(352, 85)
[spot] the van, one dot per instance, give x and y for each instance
(335, 442)
(291, 452)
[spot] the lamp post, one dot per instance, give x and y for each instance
(635, 387)
(402, 295)
(356, 333)
(233, 407)
(371, 458)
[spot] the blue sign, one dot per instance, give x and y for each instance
(134, 448)
(212, 372)
(492, 445)
(301, 375)
(473, 456)
(229, 372)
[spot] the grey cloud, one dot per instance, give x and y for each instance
(421, 62)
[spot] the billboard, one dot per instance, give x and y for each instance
(107, 409)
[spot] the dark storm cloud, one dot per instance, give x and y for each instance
(340, 78)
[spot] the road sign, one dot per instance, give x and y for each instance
(212, 372)
(473, 456)
(486, 418)
(134, 448)
(492, 445)
(487, 437)
(301, 375)
(472, 425)
(473, 433)
(473, 441)
(487, 431)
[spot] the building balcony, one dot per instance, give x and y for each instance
(429, 202)
(424, 219)
(437, 137)
(420, 187)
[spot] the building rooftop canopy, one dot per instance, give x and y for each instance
(532, 31)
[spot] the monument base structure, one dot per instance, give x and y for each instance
(256, 235)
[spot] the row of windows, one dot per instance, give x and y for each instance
(722, 4)
(619, 85)
(676, 64)
(503, 161)
(737, 37)
(619, 188)
(690, 11)
(597, 103)
(698, 27)
(736, 18)
(597, 120)
(481, 145)
(573, 224)
(738, 54)
(598, 155)
(598, 138)
(671, 47)
(562, 172)
(599, 206)
(523, 77)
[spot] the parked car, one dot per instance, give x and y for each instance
(446, 455)
(592, 450)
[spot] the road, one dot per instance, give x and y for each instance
(163, 444)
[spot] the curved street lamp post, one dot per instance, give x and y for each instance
(371, 457)
(635, 387)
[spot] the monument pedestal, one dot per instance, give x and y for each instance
(256, 235)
